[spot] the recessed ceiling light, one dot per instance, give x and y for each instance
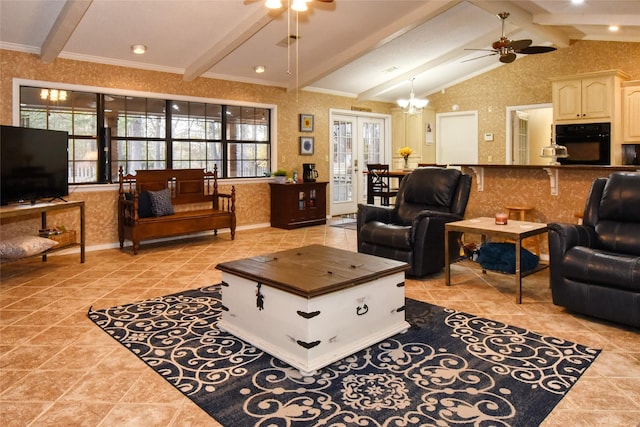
(138, 49)
(613, 28)
(259, 69)
(577, 1)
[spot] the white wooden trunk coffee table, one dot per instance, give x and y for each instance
(314, 305)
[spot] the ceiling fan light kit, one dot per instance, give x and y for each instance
(273, 4)
(297, 5)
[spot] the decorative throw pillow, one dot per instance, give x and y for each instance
(24, 246)
(144, 204)
(161, 202)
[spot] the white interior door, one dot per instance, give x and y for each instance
(457, 138)
(355, 141)
(520, 138)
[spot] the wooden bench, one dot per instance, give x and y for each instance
(194, 195)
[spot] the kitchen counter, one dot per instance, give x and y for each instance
(557, 193)
(553, 171)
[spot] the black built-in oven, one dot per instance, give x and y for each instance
(587, 144)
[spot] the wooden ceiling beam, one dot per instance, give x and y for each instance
(66, 23)
(377, 38)
(230, 42)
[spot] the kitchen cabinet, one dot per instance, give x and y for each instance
(590, 97)
(631, 111)
(298, 204)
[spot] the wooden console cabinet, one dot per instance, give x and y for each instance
(298, 205)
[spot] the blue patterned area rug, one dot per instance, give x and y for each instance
(450, 368)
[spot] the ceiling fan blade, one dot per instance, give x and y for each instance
(532, 50)
(478, 57)
(484, 50)
(507, 58)
(520, 44)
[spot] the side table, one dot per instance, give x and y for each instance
(486, 227)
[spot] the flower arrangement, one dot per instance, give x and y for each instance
(405, 152)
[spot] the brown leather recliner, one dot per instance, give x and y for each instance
(413, 230)
(595, 267)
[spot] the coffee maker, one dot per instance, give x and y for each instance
(309, 172)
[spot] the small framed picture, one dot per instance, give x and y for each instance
(306, 145)
(306, 122)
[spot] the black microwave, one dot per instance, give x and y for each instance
(587, 144)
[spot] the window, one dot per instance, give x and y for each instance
(107, 131)
(197, 135)
(138, 133)
(70, 111)
(247, 131)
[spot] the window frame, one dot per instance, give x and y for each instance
(223, 173)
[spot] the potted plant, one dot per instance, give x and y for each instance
(280, 176)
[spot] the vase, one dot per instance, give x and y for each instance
(406, 163)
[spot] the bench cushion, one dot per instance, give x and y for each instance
(161, 202)
(144, 204)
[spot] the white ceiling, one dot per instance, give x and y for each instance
(362, 48)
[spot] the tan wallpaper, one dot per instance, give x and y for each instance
(253, 205)
(523, 82)
(526, 81)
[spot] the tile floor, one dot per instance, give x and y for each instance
(59, 369)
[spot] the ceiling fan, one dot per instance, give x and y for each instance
(507, 49)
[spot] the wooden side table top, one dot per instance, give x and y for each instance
(313, 270)
(487, 226)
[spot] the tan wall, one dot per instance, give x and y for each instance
(540, 121)
(526, 81)
(253, 205)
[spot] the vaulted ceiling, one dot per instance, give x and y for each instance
(361, 48)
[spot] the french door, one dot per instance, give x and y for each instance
(356, 140)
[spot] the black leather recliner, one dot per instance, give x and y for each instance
(413, 230)
(595, 267)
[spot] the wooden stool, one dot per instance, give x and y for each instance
(521, 213)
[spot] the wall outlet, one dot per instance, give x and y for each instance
(489, 159)
(488, 136)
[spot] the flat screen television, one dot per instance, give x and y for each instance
(33, 164)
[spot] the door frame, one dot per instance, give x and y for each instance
(509, 131)
(386, 154)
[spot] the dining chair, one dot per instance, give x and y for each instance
(378, 183)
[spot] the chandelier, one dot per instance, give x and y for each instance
(412, 105)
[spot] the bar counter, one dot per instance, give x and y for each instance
(558, 193)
